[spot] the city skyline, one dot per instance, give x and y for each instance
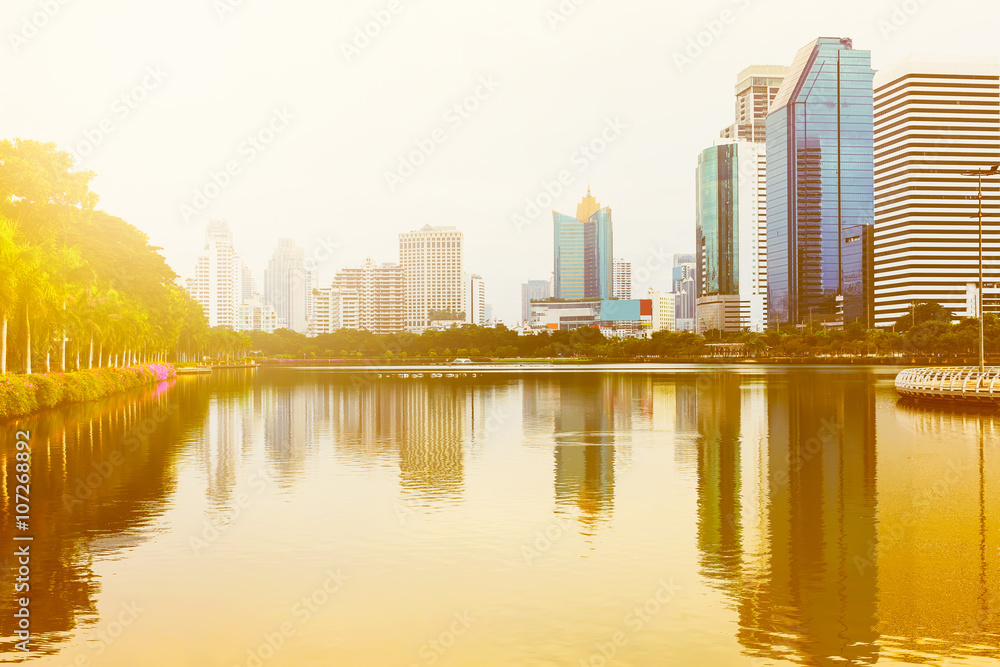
(487, 168)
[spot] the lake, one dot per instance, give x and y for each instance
(724, 515)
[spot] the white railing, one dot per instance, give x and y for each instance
(955, 382)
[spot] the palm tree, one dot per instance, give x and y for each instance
(10, 259)
(36, 294)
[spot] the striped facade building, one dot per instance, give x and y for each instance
(935, 119)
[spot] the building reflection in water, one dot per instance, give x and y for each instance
(102, 474)
(786, 504)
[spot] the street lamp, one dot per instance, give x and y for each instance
(979, 173)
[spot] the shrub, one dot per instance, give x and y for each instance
(24, 394)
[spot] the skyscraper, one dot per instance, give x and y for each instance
(583, 248)
(622, 285)
(218, 277)
(820, 207)
(433, 263)
(285, 285)
(756, 88)
(933, 120)
(475, 297)
(684, 288)
(533, 290)
(379, 290)
(729, 282)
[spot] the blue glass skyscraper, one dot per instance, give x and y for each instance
(583, 249)
(820, 188)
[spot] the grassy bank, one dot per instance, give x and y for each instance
(22, 395)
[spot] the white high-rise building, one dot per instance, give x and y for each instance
(935, 118)
(217, 282)
(335, 309)
(310, 282)
(664, 310)
(380, 293)
(285, 285)
(621, 284)
(756, 87)
(475, 300)
(433, 265)
(255, 315)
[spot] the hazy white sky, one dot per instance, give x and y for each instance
(300, 121)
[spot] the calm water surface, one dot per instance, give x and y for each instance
(745, 516)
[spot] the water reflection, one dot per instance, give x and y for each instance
(102, 474)
(803, 593)
(834, 524)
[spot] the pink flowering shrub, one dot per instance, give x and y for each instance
(24, 394)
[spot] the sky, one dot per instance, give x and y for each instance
(343, 124)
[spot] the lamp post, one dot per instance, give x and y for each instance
(979, 173)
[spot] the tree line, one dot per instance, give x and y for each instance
(928, 331)
(80, 288)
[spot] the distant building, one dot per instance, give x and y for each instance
(623, 318)
(684, 291)
(475, 300)
(730, 278)
(934, 119)
(820, 168)
(433, 265)
(310, 282)
(756, 88)
(533, 290)
(255, 315)
(380, 295)
(622, 284)
(583, 248)
(285, 283)
(664, 317)
(335, 310)
(217, 284)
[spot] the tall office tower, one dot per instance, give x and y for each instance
(380, 295)
(820, 189)
(684, 288)
(217, 277)
(285, 285)
(933, 120)
(729, 226)
(583, 249)
(310, 282)
(475, 299)
(335, 309)
(248, 286)
(622, 285)
(756, 87)
(533, 290)
(664, 310)
(433, 263)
